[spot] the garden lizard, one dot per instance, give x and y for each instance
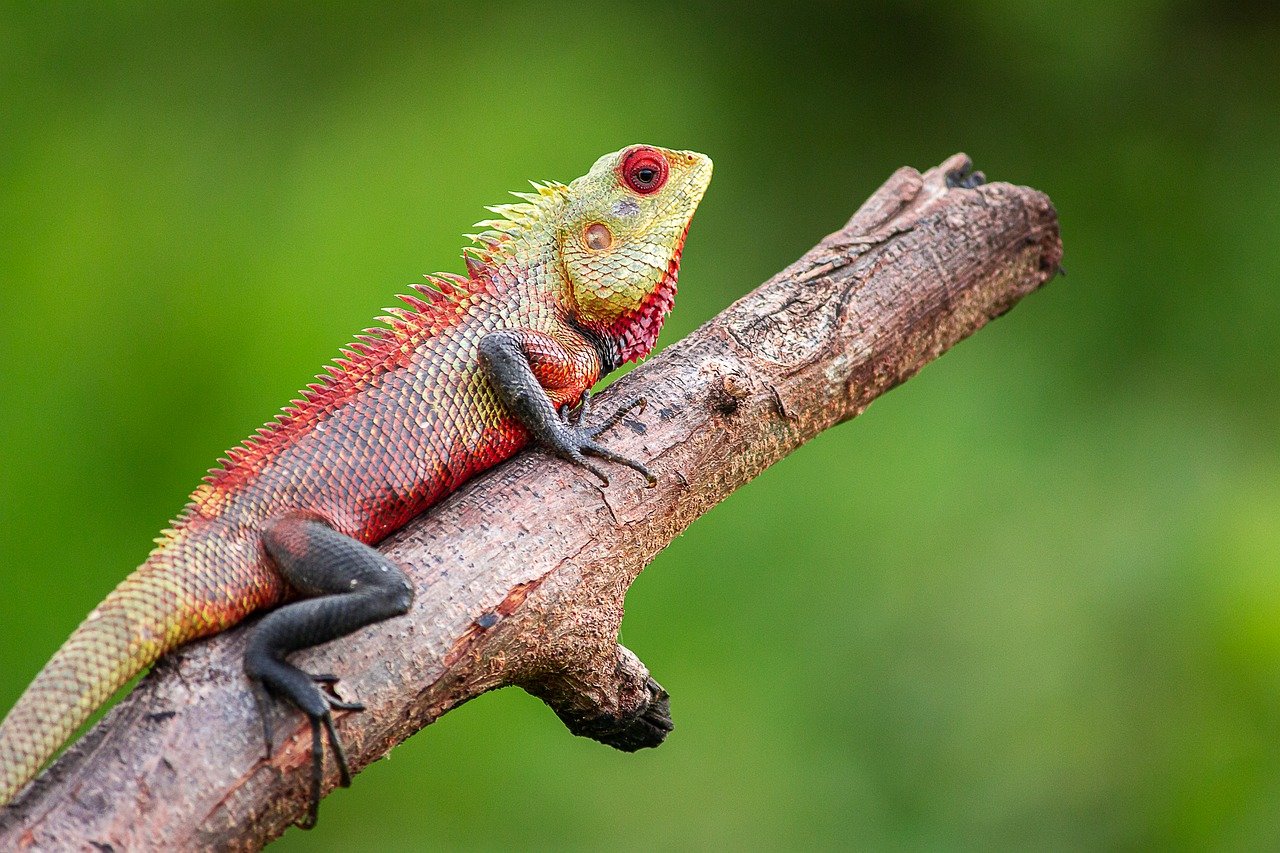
(566, 285)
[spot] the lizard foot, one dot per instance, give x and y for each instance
(263, 700)
(353, 585)
(575, 442)
(300, 689)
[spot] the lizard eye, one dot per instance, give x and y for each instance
(644, 170)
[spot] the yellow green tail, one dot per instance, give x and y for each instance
(140, 620)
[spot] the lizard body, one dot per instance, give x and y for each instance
(567, 285)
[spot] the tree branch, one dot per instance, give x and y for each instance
(521, 575)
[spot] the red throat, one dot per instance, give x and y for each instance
(637, 331)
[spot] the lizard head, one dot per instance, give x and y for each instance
(621, 236)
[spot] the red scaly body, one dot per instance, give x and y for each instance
(403, 418)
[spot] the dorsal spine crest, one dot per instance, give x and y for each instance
(433, 307)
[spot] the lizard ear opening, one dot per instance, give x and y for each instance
(597, 237)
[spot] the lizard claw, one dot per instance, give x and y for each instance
(597, 450)
(594, 469)
(307, 692)
(324, 721)
(329, 680)
(636, 404)
(572, 415)
(575, 442)
(263, 701)
(317, 764)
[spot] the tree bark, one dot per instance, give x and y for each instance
(520, 576)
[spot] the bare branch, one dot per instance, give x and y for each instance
(521, 575)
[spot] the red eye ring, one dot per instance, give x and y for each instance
(644, 170)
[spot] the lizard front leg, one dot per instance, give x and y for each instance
(352, 585)
(521, 366)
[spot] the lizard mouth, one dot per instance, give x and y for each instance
(692, 186)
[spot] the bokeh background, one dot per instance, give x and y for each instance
(1030, 599)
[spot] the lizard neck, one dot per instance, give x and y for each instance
(632, 335)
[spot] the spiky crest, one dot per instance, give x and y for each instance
(433, 307)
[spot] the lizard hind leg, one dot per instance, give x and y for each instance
(352, 585)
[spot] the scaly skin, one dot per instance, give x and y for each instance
(572, 281)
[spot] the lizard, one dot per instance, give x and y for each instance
(564, 286)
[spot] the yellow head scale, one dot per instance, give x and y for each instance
(621, 237)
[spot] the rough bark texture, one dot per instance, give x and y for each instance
(521, 575)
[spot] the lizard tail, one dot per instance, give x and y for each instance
(149, 613)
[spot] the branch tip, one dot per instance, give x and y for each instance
(618, 704)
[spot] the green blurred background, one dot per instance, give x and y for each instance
(1032, 598)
